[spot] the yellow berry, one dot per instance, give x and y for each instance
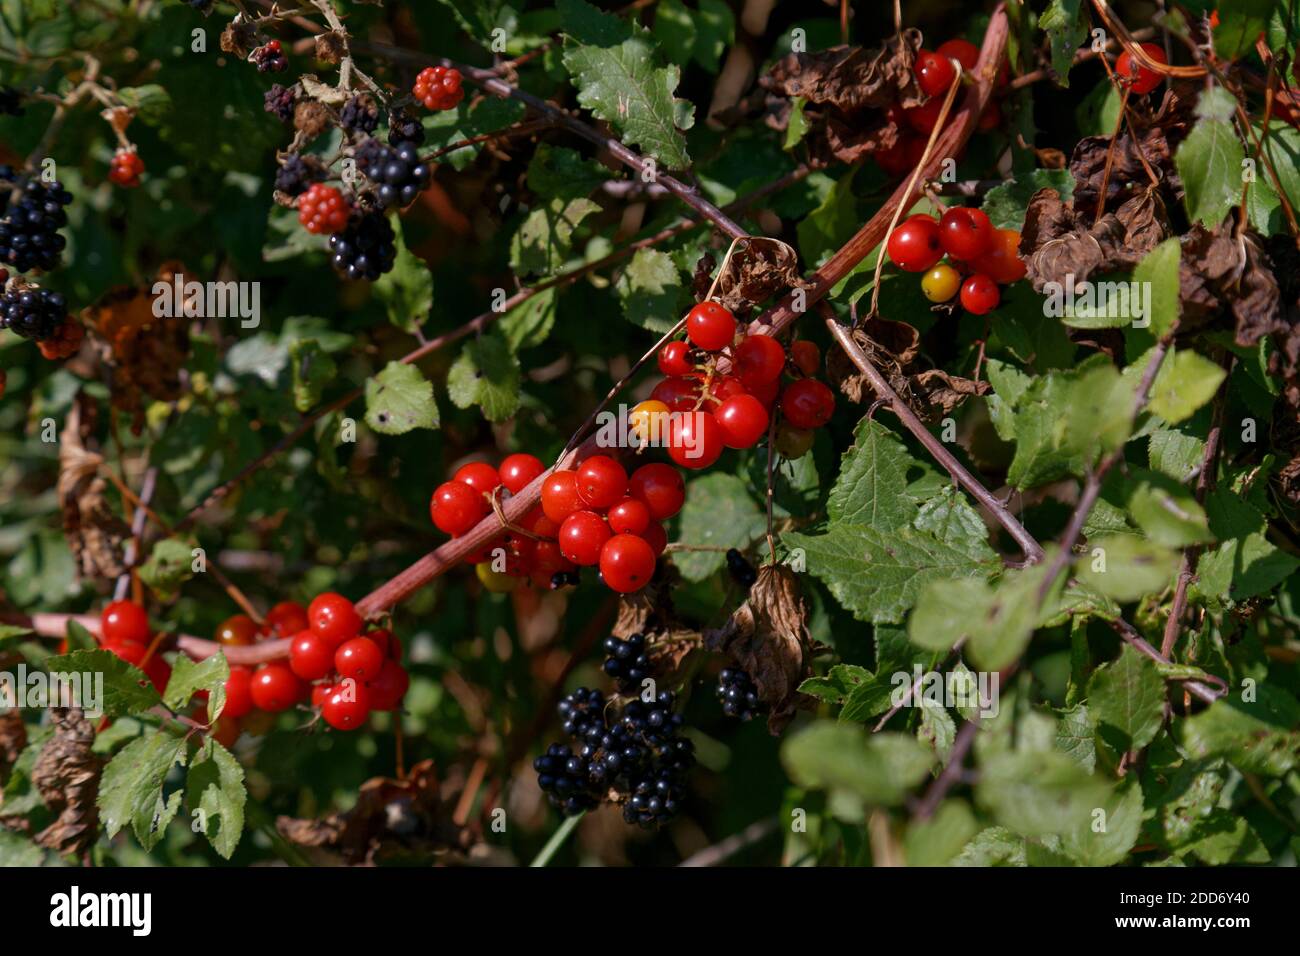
(941, 283)
(498, 582)
(649, 420)
(793, 442)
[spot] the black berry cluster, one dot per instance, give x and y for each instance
(637, 754)
(11, 102)
(279, 101)
(366, 249)
(29, 227)
(404, 128)
(397, 171)
(626, 662)
(738, 694)
(296, 174)
(359, 115)
(32, 313)
(741, 571)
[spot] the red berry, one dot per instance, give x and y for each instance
(359, 658)
(438, 88)
(806, 356)
(456, 508)
(388, 689)
(124, 621)
(311, 657)
(710, 326)
(934, 73)
(893, 159)
(560, 495)
(679, 393)
(479, 475)
(275, 687)
(237, 631)
(540, 525)
(155, 668)
(759, 359)
(963, 51)
(286, 619)
(322, 209)
(225, 731)
(915, 246)
(628, 516)
(333, 618)
(767, 392)
(1139, 78)
(695, 440)
(518, 471)
(966, 233)
(548, 558)
(1002, 263)
(660, 488)
(979, 294)
(321, 693)
(126, 168)
(347, 706)
(601, 482)
(743, 421)
(656, 537)
(673, 359)
(239, 698)
(582, 535)
(626, 563)
(925, 117)
(387, 643)
(807, 403)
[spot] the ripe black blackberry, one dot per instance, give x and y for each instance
(366, 249)
(564, 579)
(627, 662)
(656, 796)
(741, 571)
(33, 313)
(29, 227)
(359, 114)
(397, 172)
(738, 694)
(565, 779)
(296, 174)
(279, 101)
(11, 101)
(404, 128)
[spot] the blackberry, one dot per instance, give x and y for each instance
(657, 796)
(404, 128)
(33, 313)
(582, 711)
(279, 101)
(11, 101)
(29, 227)
(270, 58)
(564, 579)
(398, 172)
(738, 694)
(565, 779)
(359, 114)
(741, 571)
(296, 175)
(626, 661)
(365, 249)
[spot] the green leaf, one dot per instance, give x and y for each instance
(1031, 336)
(879, 574)
(479, 18)
(650, 289)
(529, 324)
(1256, 736)
(544, 241)
(674, 28)
(10, 631)
(950, 518)
(1185, 382)
(188, 677)
(719, 512)
(937, 730)
(1038, 792)
(1175, 453)
(1006, 203)
(1209, 163)
(871, 486)
(620, 83)
(215, 794)
(1226, 839)
(1107, 837)
(825, 228)
(313, 369)
(996, 846)
(938, 840)
(868, 699)
(405, 291)
(486, 374)
(1241, 568)
(130, 790)
(1166, 510)
(876, 768)
(586, 24)
(400, 399)
(1128, 694)
(1126, 568)
(170, 564)
(1075, 736)
(797, 127)
(151, 102)
(838, 683)
(1159, 269)
(1066, 26)
(556, 172)
(1240, 22)
(126, 688)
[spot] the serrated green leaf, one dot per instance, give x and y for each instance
(1159, 270)
(1066, 26)
(1128, 695)
(867, 699)
(1175, 453)
(130, 790)
(488, 375)
(544, 240)
(126, 688)
(1256, 736)
(1209, 163)
(1240, 22)
(151, 102)
(871, 486)
(1038, 792)
(938, 840)
(1110, 831)
(406, 290)
(1074, 736)
(189, 677)
(836, 686)
(650, 289)
(876, 768)
(10, 631)
(719, 512)
(529, 324)
(400, 399)
(995, 846)
(215, 794)
(950, 518)
(1005, 204)
(1126, 568)
(1166, 510)
(556, 172)
(1241, 568)
(797, 127)
(313, 369)
(1185, 382)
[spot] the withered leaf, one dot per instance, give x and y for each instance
(758, 270)
(768, 638)
(66, 774)
(853, 78)
(13, 738)
(95, 532)
(1062, 245)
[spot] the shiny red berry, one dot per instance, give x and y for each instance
(239, 697)
(710, 326)
(582, 535)
(966, 233)
(628, 516)
(560, 495)
(695, 440)
(479, 475)
(275, 687)
(518, 471)
(1139, 78)
(806, 356)
(334, 618)
(679, 393)
(915, 246)
(979, 294)
(601, 482)
(626, 563)
(934, 73)
(286, 619)
(660, 488)
(759, 359)
(347, 706)
(388, 689)
(124, 621)
(456, 508)
(359, 658)
(311, 657)
(743, 421)
(238, 630)
(807, 403)
(673, 359)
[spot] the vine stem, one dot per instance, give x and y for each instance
(56, 625)
(951, 772)
(557, 840)
(1033, 551)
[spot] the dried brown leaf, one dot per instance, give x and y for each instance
(852, 78)
(95, 532)
(66, 774)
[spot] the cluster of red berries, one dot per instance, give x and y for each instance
(322, 210)
(270, 58)
(980, 257)
(1137, 77)
(345, 671)
(124, 632)
(707, 411)
(438, 88)
(126, 169)
(935, 73)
